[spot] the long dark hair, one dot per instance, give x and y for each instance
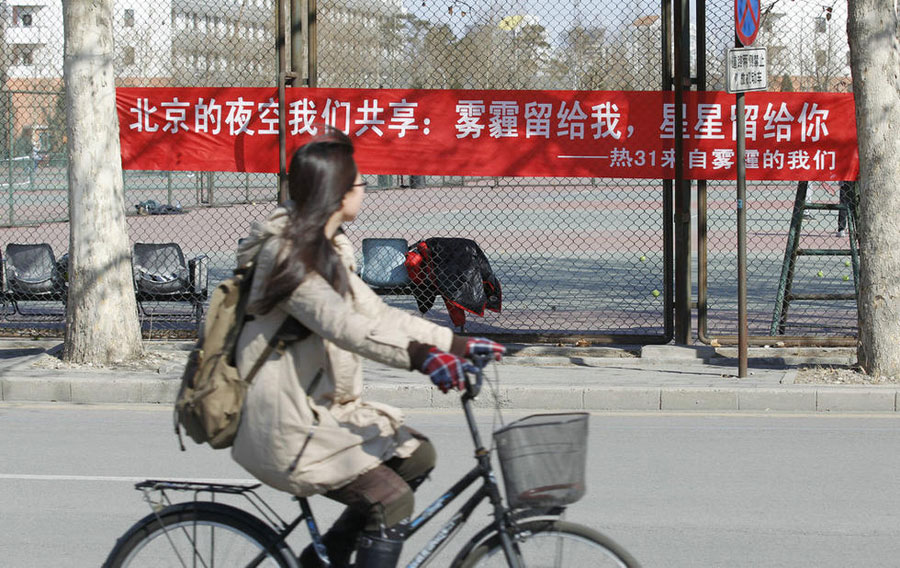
(319, 175)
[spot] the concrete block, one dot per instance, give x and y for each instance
(451, 399)
(799, 400)
(491, 399)
(870, 399)
(105, 390)
(679, 352)
(36, 389)
(698, 399)
(160, 391)
(568, 398)
(621, 398)
(444, 400)
(401, 396)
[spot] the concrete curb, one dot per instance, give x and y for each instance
(651, 378)
(150, 389)
(89, 389)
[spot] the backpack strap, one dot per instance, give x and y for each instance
(289, 331)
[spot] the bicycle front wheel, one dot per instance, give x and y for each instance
(551, 543)
(200, 534)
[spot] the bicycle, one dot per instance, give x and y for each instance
(542, 458)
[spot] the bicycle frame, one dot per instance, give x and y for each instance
(488, 490)
(482, 470)
(448, 530)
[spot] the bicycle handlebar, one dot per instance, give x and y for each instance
(474, 388)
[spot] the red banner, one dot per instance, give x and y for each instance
(614, 134)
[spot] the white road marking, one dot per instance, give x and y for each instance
(122, 479)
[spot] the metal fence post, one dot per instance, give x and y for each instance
(284, 76)
(9, 161)
(682, 185)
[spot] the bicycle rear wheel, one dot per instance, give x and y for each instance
(552, 543)
(200, 534)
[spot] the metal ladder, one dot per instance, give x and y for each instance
(785, 296)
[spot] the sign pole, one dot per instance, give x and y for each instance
(747, 15)
(741, 231)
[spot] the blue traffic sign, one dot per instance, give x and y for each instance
(746, 21)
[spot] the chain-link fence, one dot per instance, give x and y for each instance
(806, 43)
(573, 256)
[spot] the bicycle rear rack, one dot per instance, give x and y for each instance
(199, 487)
(248, 492)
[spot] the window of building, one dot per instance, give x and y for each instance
(26, 57)
(128, 55)
(129, 17)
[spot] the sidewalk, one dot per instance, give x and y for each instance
(617, 378)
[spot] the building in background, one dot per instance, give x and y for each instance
(806, 44)
(160, 43)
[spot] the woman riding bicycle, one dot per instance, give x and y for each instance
(305, 428)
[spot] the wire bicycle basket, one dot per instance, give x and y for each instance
(543, 459)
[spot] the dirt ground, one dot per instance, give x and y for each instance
(161, 361)
(840, 375)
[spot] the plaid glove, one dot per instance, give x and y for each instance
(446, 369)
(481, 346)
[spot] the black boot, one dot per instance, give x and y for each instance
(378, 549)
(338, 542)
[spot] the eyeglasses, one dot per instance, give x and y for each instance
(361, 184)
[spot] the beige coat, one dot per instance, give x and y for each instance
(311, 442)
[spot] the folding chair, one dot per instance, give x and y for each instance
(33, 274)
(162, 275)
(383, 266)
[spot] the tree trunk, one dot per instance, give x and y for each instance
(101, 316)
(873, 27)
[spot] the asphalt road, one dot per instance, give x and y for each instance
(676, 490)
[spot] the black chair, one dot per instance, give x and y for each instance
(162, 275)
(31, 272)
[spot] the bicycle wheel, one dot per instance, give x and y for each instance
(551, 543)
(199, 534)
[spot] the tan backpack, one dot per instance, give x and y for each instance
(212, 392)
